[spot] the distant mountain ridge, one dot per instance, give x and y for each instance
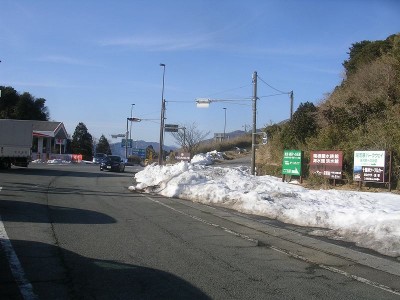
(116, 148)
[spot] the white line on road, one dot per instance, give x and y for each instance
(206, 222)
(338, 271)
(25, 287)
(288, 253)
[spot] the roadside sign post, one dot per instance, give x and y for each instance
(371, 166)
(183, 156)
(292, 164)
(171, 128)
(139, 152)
(175, 128)
(328, 164)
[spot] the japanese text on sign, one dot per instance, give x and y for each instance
(327, 163)
(369, 166)
(291, 162)
(369, 158)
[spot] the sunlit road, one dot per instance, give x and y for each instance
(73, 232)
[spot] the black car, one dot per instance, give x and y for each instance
(112, 163)
(98, 157)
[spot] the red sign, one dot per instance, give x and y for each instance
(327, 163)
(76, 158)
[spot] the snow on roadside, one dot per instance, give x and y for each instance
(207, 159)
(50, 161)
(371, 220)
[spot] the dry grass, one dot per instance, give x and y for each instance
(243, 142)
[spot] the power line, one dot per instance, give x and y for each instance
(229, 90)
(179, 101)
(272, 95)
(272, 86)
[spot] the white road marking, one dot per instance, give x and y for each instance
(206, 222)
(288, 253)
(25, 287)
(338, 271)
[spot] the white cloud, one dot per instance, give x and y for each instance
(156, 43)
(60, 59)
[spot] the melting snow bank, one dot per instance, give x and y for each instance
(371, 220)
(51, 161)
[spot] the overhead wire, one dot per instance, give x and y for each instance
(229, 90)
(281, 92)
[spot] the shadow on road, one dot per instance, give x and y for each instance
(87, 278)
(68, 171)
(40, 189)
(18, 211)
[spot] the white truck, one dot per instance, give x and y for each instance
(15, 142)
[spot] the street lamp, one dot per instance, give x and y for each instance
(160, 155)
(130, 127)
(126, 134)
(224, 122)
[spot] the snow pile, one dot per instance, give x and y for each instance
(58, 161)
(207, 159)
(371, 220)
(50, 161)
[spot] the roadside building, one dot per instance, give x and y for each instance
(49, 140)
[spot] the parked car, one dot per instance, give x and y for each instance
(112, 163)
(98, 157)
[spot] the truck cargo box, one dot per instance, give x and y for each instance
(15, 142)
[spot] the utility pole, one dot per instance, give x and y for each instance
(130, 128)
(126, 140)
(224, 123)
(254, 131)
(160, 155)
(291, 105)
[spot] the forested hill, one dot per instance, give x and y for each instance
(363, 113)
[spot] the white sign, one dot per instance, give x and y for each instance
(369, 166)
(369, 158)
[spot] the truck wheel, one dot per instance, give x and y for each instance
(5, 165)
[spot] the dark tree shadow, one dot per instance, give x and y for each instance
(77, 277)
(18, 211)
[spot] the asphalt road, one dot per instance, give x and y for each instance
(73, 232)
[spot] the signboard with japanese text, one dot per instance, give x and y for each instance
(369, 166)
(123, 143)
(373, 174)
(292, 162)
(327, 163)
(139, 152)
(183, 156)
(171, 128)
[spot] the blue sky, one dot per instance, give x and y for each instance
(92, 59)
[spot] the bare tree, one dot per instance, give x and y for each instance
(189, 137)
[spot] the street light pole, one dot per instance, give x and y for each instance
(130, 127)
(126, 140)
(126, 133)
(224, 122)
(160, 155)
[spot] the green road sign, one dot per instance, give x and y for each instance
(292, 162)
(123, 143)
